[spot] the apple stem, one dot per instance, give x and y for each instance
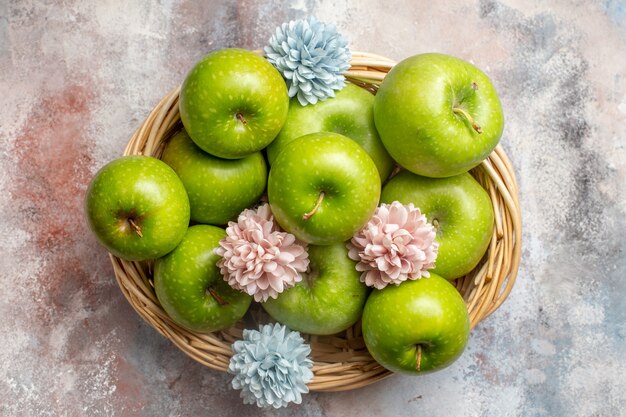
(419, 358)
(217, 298)
(469, 118)
(318, 203)
(240, 117)
(135, 227)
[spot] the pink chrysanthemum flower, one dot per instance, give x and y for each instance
(258, 258)
(396, 244)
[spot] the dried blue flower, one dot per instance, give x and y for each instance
(312, 56)
(271, 366)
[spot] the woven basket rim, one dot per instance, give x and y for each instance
(341, 362)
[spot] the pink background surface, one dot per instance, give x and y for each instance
(78, 77)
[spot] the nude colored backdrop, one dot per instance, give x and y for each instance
(76, 79)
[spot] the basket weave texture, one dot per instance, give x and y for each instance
(341, 362)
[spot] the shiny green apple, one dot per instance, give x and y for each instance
(323, 188)
(349, 113)
(190, 287)
(416, 327)
(137, 208)
(329, 298)
(233, 103)
(458, 207)
(218, 189)
(438, 115)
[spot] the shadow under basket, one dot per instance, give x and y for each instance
(341, 361)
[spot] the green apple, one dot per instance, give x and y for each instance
(416, 327)
(218, 189)
(438, 115)
(137, 208)
(233, 103)
(458, 207)
(323, 188)
(329, 298)
(190, 287)
(350, 113)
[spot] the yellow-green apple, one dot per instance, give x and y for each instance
(218, 189)
(137, 207)
(323, 188)
(416, 327)
(190, 287)
(349, 113)
(233, 103)
(459, 209)
(329, 298)
(438, 115)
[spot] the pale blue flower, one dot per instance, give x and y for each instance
(312, 57)
(271, 366)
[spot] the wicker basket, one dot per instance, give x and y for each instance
(341, 361)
